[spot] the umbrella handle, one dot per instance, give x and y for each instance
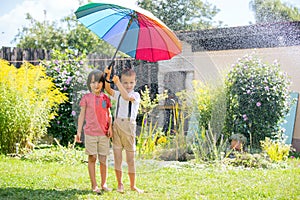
(109, 67)
(107, 80)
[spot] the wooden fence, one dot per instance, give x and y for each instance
(146, 72)
(17, 56)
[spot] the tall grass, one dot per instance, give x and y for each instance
(147, 140)
(208, 147)
(150, 132)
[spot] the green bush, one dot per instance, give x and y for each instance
(277, 150)
(257, 99)
(201, 101)
(206, 108)
(28, 100)
(69, 75)
(243, 159)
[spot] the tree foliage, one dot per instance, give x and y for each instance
(182, 14)
(70, 34)
(267, 11)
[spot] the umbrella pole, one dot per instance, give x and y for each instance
(121, 41)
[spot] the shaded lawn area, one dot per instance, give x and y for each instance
(20, 179)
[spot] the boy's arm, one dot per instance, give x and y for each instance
(107, 87)
(122, 90)
(80, 124)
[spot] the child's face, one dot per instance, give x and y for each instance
(128, 82)
(96, 87)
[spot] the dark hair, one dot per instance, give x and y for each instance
(99, 76)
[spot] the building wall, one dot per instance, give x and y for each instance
(210, 65)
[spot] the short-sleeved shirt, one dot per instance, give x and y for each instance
(97, 115)
(123, 105)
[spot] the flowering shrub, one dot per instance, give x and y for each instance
(257, 98)
(69, 75)
(28, 101)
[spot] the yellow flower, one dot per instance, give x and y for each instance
(162, 140)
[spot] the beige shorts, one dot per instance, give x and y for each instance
(95, 145)
(124, 134)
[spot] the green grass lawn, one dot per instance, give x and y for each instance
(23, 179)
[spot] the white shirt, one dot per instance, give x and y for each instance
(123, 105)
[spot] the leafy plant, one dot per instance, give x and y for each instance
(277, 150)
(205, 108)
(148, 138)
(149, 134)
(244, 159)
(294, 154)
(29, 99)
(271, 11)
(69, 75)
(198, 103)
(180, 138)
(207, 146)
(147, 105)
(253, 88)
(177, 147)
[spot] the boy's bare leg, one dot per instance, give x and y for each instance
(91, 167)
(103, 173)
(118, 169)
(131, 171)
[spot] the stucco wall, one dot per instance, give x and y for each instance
(209, 65)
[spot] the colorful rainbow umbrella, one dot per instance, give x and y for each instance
(130, 29)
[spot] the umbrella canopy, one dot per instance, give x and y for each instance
(130, 29)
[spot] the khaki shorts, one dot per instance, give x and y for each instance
(95, 145)
(124, 134)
